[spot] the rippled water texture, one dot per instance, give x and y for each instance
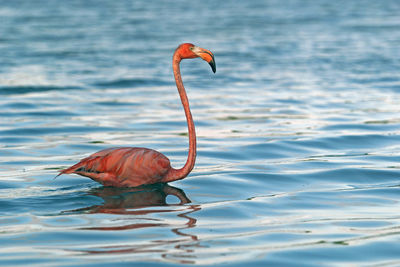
(298, 132)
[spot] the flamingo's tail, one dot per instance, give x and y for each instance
(84, 165)
(57, 175)
(68, 170)
(71, 169)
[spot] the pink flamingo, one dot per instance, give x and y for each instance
(135, 166)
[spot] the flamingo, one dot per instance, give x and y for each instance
(135, 166)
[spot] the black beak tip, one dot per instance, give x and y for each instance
(213, 67)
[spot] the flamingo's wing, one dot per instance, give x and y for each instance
(123, 167)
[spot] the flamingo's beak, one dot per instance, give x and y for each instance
(205, 55)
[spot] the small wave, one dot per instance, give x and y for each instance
(11, 90)
(44, 113)
(124, 83)
(52, 130)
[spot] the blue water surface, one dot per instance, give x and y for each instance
(298, 132)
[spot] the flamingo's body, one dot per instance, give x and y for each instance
(135, 166)
(123, 167)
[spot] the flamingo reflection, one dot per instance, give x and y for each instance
(130, 200)
(145, 200)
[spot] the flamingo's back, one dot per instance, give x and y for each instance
(124, 166)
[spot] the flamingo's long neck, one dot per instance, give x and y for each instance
(176, 174)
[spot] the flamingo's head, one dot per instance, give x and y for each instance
(188, 50)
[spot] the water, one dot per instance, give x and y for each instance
(298, 132)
